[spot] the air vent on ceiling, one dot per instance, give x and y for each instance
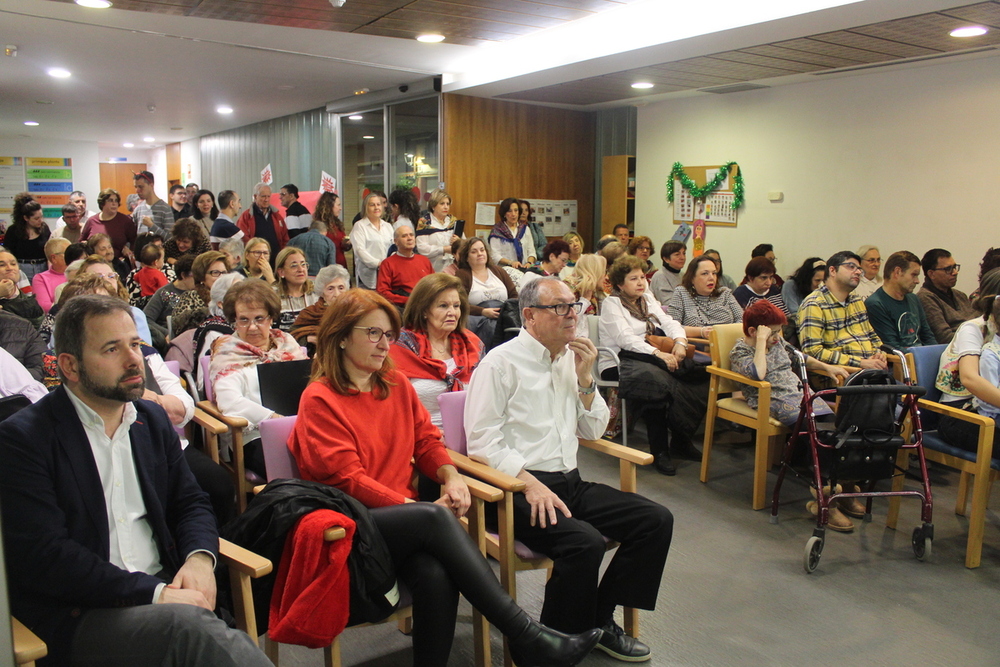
(732, 88)
(903, 61)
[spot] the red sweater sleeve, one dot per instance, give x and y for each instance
(386, 279)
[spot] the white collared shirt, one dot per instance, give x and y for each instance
(133, 547)
(523, 410)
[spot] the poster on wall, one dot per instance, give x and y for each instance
(719, 208)
(683, 203)
(11, 182)
(556, 216)
(50, 181)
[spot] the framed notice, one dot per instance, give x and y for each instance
(715, 208)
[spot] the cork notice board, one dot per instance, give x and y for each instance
(716, 208)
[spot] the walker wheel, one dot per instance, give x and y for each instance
(811, 556)
(922, 545)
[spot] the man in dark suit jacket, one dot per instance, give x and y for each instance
(110, 544)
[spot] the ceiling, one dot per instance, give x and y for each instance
(182, 58)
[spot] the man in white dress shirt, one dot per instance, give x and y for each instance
(528, 402)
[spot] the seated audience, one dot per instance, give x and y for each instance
(336, 441)
(120, 228)
(452, 267)
(434, 350)
(186, 237)
(871, 278)
(214, 326)
(724, 279)
(642, 247)
(315, 245)
(759, 283)
(252, 307)
(806, 280)
(293, 286)
(233, 250)
(12, 299)
(991, 260)
(945, 306)
(162, 304)
(767, 250)
(833, 322)
(673, 254)
(370, 237)
(700, 302)
(91, 602)
(587, 283)
(100, 244)
(547, 371)
(44, 284)
(402, 270)
(510, 241)
(621, 233)
(629, 318)
(331, 282)
(21, 339)
(487, 285)
(894, 310)
(193, 306)
(15, 378)
(131, 284)
(101, 267)
(555, 254)
(257, 260)
(611, 251)
(576, 246)
(150, 277)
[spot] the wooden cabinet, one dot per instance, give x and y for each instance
(617, 192)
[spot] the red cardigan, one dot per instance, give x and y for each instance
(363, 446)
(248, 224)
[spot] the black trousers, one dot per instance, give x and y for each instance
(575, 600)
(437, 560)
(215, 481)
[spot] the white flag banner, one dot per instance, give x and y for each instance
(266, 176)
(328, 183)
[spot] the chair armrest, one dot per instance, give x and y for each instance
(478, 489)
(957, 413)
(213, 410)
(27, 646)
(485, 473)
(208, 422)
(243, 560)
(618, 451)
(611, 353)
(699, 341)
(836, 378)
(737, 377)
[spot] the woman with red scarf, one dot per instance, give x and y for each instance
(434, 350)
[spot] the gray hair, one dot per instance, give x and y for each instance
(865, 249)
(233, 246)
(396, 234)
(257, 188)
(219, 289)
(70, 329)
(327, 275)
(529, 293)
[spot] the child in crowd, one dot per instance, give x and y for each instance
(150, 277)
(989, 370)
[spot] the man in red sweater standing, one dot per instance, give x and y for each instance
(402, 270)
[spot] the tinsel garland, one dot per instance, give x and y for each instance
(677, 172)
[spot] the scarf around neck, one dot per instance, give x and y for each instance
(231, 354)
(502, 232)
(412, 355)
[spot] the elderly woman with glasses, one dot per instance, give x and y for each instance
(252, 307)
(331, 282)
(193, 307)
(871, 277)
(119, 227)
(362, 429)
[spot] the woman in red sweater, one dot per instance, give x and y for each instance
(360, 424)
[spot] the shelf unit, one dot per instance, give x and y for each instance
(617, 192)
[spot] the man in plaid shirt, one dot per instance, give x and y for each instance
(833, 321)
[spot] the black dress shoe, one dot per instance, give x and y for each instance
(684, 449)
(620, 646)
(539, 646)
(664, 465)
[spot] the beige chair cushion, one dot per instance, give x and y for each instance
(739, 406)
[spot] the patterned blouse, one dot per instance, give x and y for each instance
(705, 311)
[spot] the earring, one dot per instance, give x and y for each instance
(342, 346)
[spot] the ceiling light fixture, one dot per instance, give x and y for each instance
(430, 38)
(642, 85)
(368, 136)
(94, 4)
(360, 91)
(224, 110)
(148, 140)
(59, 72)
(128, 144)
(31, 123)
(356, 117)
(969, 31)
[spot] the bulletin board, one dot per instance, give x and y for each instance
(716, 207)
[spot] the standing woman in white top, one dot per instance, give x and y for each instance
(871, 277)
(436, 230)
(403, 208)
(510, 241)
(370, 237)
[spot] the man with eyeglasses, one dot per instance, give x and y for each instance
(946, 307)
(224, 226)
(528, 402)
(833, 322)
(400, 272)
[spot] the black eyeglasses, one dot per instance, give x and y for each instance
(562, 309)
(375, 334)
(954, 268)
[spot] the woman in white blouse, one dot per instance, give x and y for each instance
(511, 241)
(628, 316)
(487, 285)
(370, 237)
(436, 230)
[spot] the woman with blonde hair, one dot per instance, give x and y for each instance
(371, 237)
(435, 230)
(257, 260)
(587, 283)
(294, 288)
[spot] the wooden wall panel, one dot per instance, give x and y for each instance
(174, 173)
(494, 149)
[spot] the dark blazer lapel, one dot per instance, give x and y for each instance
(72, 439)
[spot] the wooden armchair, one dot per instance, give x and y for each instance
(27, 646)
(512, 555)
(235, 426)
(281, 465)
(978, 466)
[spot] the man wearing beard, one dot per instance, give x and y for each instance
(110, 543)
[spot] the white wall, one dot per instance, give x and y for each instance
(906, 159)
(131, 155)
(86, 174)
(191, 161)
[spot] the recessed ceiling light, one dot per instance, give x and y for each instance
(367, 136)
(128, 145)
(31, 123)
(360, 91)
(59, 72)
(224, 109)
(148, 140)
(94, 4)
(641, 85)
(970, 31)
(356, 117)
(430, 38)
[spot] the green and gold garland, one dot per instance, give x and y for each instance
(677, 172)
